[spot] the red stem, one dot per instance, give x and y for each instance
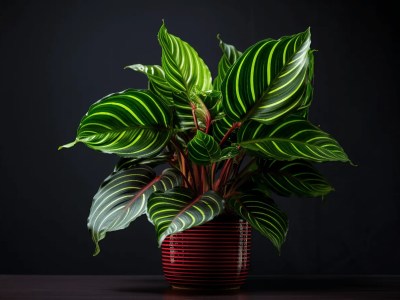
(228, 133)
(194, 115)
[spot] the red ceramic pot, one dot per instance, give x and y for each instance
(215, 255)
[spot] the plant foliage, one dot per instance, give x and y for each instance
(229, 143)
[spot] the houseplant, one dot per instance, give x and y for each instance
(229, 143)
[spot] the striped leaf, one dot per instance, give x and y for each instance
(293, 138)
(303, 110)
(123, 197)
(132, 123)
(229, 56)
(221, 126)
(127, 163)
(179, 209)
(263, 215)
(157, 82)
(297, 178)
(203, 149)
(183, 111)
(184, 69)
(269, 80)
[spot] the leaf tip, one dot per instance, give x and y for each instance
(69, 145)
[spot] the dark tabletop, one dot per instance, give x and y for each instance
(154, 287)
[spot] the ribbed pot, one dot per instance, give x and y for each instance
(215, 255)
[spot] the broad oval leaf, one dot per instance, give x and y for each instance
(184, 69)
(132, 123)
(269, 80)
(157, 82)
(203, 149)
(297, 177)
(229, 56)
(263, 215)
(123, 197)
(293, 138)
(179, 209)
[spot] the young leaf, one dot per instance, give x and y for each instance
(269, 80)
(297, 177)
(132, 123)
(203, 149)
(178, 209)
(293, 138)
(157, 82)
(123, 197)
(262, 214)
(229, 56)
(184, 69)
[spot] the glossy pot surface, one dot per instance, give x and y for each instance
(215, 255)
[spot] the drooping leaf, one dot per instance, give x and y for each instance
(203, 149)
(157, 82)
(293, 138)
(179, 209)
(269, 80)
(262, 214)
(123, 197)
(132, 123)
(297, 177)
(229, 56)
(184, 69)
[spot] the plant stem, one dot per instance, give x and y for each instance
(228, 133)
(194, 115)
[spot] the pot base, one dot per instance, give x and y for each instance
(213, 256)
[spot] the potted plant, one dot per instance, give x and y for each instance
(229, 144)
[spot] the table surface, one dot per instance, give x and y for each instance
(44, 287)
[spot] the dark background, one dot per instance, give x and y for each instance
(58, 57)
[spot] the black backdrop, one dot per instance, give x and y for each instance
(57, 57)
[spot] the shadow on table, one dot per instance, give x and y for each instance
(281, 285)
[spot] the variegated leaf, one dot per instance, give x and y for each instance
(184, 69)
(203, 149)
(221, 127)
(157, 82)
(293, 138)
(269, 80)
(297, 177)
(132, 123)
(127, 163)
(123, 197)
(179, 209)
(262, 214)
(229, 56)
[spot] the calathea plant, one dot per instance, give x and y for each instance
(229, 143)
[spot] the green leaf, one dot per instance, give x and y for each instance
(184, 69)
(123, 197)
(293, 138)
(184, 106)
(269, 80)
(179, 209)
(297, 177)
(220, 128)
(303, 109)
(229, 152)
(126, 163)
(132, 123)
(229, 56)
(262, 214)
(157, 82)
(203, 149)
